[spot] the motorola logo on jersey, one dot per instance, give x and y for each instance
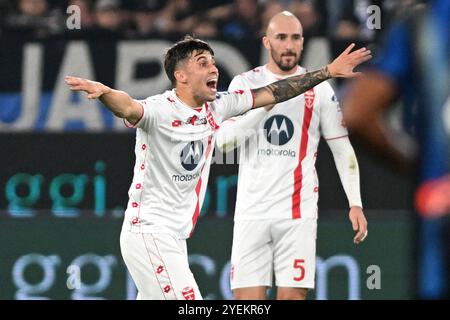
(278, 130)
(191, 154)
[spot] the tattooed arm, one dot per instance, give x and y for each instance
(288, 88)
(291, 87)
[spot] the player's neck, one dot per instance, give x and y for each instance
(188, 99)
(273, 67)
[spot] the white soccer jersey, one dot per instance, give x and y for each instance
(173, 150)
(277, 176)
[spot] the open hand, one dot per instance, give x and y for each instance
(343, 65)
(93, 89)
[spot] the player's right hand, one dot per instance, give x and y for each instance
(93, 89)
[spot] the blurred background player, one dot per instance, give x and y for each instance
(174, 140)
(415, 66)
(276, 206)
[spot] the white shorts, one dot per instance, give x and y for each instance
(285, 247)
(158, 264)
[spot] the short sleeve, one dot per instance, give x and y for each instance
(331, 121)
(149, 108)
(233, 103)
(237, 84)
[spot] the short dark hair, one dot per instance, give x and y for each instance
(182, 50)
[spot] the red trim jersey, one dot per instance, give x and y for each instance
(277, 175)
(173, 151)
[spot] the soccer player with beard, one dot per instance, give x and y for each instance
(276, 205)
(174, 139)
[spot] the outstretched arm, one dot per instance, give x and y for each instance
(119, 102)
(341, 67)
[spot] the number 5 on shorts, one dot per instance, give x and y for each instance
(298, 264)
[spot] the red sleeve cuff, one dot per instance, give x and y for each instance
(253, 99)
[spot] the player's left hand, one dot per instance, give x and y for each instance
(343, 65)
(359, 224)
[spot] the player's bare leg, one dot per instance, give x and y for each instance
(284, 293)
(251, 293)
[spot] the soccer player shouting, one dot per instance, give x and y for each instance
(174, 141)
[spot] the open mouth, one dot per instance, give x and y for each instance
(212, 84)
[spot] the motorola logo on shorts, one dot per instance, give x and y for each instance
(191, 154)
(278, 130)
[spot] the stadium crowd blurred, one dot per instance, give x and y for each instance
(234, 20)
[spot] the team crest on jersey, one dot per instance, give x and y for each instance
(188, 293)
(278, 130)
(196, 121)
(309, 98)
(191, 154)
